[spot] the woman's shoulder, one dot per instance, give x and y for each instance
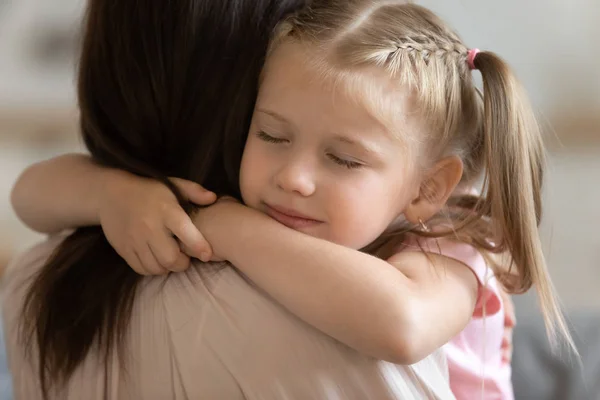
(29, 261)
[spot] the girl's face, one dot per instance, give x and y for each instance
(318, 162)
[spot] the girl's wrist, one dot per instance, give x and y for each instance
(218, 224)
(107, 188)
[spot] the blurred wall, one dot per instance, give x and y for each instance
(550, 43)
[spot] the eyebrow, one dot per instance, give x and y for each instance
(274, 115)
(364, 146)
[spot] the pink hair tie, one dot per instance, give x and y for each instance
(471, 58)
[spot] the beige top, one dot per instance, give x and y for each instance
(208, 333)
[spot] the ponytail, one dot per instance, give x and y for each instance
(514, 155)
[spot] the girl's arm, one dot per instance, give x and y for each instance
(140, 217)
(60, 193)
(400, 310)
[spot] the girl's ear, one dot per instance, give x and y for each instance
(437, 186)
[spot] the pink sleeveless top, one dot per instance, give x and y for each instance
(474, 356)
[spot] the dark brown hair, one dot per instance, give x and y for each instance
(165, 89)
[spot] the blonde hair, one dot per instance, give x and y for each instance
(495, 134)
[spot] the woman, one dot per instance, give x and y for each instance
(167, 89)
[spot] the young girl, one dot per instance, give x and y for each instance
(367, 129)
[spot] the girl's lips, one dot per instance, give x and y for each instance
(290, 218)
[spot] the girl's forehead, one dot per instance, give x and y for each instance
(299, 75)
(292, 67)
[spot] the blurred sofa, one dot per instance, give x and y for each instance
(539, 373)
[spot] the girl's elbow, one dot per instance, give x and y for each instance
(407, 348)
(17, 195)
(407, 343)
(20, 201)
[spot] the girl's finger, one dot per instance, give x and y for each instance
(183, 262)
(149, 261)
(205, 257)
(167, 252)
(181, 225)
(194, 192)
(135, 263)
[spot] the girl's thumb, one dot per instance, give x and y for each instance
(194, 192)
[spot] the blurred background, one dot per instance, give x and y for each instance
(551, 44)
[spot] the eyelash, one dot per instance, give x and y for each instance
(268, 138)
(344, 163)
(339, 161)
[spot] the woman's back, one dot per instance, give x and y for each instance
(208, 333)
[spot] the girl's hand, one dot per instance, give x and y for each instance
(145, 224)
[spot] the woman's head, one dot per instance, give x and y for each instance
(368, 112)
(165, 89)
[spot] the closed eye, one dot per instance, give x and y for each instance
(344, 163)
(268, 138)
